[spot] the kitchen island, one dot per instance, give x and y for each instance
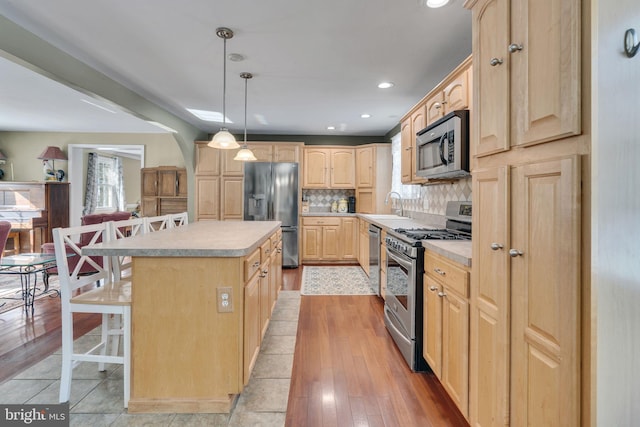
(193, 333)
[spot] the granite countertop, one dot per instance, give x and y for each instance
(456, 250)
(315, 213)
(198, 239)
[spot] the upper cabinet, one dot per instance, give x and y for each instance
(373, 177)
(528, 72)
(329, 167)
(453, 93)
(278, 152)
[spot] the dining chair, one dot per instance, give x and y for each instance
(179, 219)
(157, 223)
(79, 295)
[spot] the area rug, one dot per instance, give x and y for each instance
(11, 291)
(335, 281)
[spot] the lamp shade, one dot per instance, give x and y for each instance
(223, 140)
(52, 153)
(245, 155)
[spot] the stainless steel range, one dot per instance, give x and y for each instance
(403, 309)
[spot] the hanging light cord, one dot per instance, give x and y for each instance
(245, 112)
(224, 85)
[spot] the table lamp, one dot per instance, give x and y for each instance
(52, 153)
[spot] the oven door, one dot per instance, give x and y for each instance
(400, 292)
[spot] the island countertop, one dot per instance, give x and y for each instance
(198, 239)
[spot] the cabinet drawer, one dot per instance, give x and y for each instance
(449, 274)
(251, 264)
(275, 238)
(265, 250)
(320, 220)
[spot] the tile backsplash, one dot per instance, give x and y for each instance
(320, 200)
(433, 198)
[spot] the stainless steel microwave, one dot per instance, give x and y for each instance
(442, 148)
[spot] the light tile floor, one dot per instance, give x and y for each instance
(96, 397)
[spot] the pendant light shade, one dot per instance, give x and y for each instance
(223, 139)
(245, 155)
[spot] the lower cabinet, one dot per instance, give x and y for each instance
(363, 245)
(329, 239)
(251, 326)
(446, 326)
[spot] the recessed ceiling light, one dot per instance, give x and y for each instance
(365, 115)
(235, 57)
(385, 85)
(331, 128)
(208, 116)
(436, 3)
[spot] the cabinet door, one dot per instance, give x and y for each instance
(265, 302)
(263, 152)
(316, 168)
(330, 242)
(231, 167)
(182, 190)
(167, 183)
(545, 74)
(456, 93)
(207, 197)
(365, 158)
(311, 242)
(434, 109)
(418, 122)
(490, 299)
(365, 200)
(343, 168)
(251, 326)
(406, 156)
(432, 325)
(286, 153)
(455, 349)
(231, 196)
(149, 206)
(149, 182)
(491, 73)
(545, 328)
(349, 239)
(207, 160)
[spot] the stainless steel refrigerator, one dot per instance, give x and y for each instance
(271, 193)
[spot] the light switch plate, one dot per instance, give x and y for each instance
(225, 300)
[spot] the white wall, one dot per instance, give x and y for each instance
(616, 213)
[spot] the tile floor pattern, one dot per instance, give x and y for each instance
(96, 397)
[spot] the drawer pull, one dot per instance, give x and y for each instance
(440, 272)
(433, 288)
(256, 264)
(442, 294)
(496, 246)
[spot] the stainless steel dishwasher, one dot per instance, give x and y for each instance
(374, 258)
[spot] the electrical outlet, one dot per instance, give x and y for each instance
(225, 300)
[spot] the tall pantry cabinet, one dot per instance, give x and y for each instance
(529, 144)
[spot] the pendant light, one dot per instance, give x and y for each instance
(244, 154)
(223, 139)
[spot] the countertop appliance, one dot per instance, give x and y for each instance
(374, 258)
(271, 194)
(442, 148)
(403, 308)
(352, 204)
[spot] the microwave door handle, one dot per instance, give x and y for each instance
(443, 139)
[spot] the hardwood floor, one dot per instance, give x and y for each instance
(346, 371)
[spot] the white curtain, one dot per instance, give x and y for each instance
(105, 184)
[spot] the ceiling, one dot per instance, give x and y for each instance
(315, 64)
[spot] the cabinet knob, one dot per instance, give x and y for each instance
(515, 253)
(514, 47)
(496, 246)
(442, 294)
(433, 288)
(440, 272)
(437, 106)
(495, 61)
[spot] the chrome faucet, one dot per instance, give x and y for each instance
(389, 194)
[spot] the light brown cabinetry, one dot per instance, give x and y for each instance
(280, 152)
(251, 325)
(164, 190)
(373, 178)
(526, 300)
(528, 72)
(231, 198)
(329, 168)
(363, 245)
(446, 326)
(328, 239)
(453, 93)
(383, 264)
